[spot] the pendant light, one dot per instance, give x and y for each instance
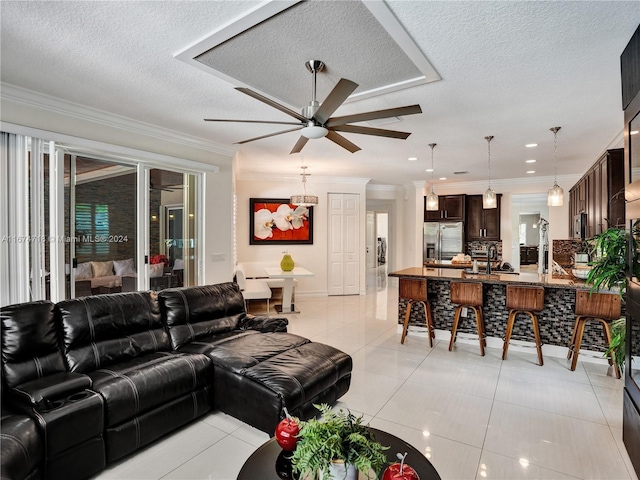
(489, 197)
(432, 198)
(304, 199)
(555, 197)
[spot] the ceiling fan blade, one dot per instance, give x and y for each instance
(271, 103)
(336, 97)
(267, 136)
(378, 132)
(302, 141)
(361, 117)
(343, 142)
(250, 121)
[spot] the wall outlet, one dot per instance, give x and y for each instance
(463, 313)
(218, 257)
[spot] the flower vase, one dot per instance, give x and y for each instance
(338, 470)
(287, 263)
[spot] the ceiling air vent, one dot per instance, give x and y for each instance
(461, 173)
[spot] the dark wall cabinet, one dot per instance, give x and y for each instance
(450, 207)
(600, 194)
(481, 224)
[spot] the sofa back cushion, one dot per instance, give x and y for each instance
(193, 313)
(30, 347)
(102, 330)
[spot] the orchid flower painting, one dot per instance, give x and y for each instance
(278, 222)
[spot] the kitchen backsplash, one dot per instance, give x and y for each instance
(478, 249)
(564, 254)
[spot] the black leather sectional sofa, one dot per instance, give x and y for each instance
(88, 381)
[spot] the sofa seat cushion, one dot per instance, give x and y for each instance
(302, 373)
(138, 385)
(237, 353)
(21, 446)
(106, 281)
(257, 392)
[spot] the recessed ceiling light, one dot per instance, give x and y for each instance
(429, 170)
(442, 178)
(531, 145)
(634, 132)
(531, 160)
(412, 159)
(531, 171)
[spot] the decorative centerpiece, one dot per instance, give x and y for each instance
(287, 263)
(337, 446)
(400, 471)
(287, 432)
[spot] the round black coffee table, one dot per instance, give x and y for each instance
(269, 461)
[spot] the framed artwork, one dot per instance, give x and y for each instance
(275, 221)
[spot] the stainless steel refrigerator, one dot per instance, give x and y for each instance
(442, 240)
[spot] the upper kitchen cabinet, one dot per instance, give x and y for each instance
(480, 223)
(450, 207)
(600, 194)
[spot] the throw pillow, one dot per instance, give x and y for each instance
(156, 270)
(83, 270)
(124, 267)
(102, 269)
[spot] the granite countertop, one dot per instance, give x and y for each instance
(495, 277)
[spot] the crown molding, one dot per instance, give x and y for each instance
(376, 187)
(56, 105)
(253, 177)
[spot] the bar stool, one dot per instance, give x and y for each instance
(528, 300)
(601, 307)
(467, 295)
(415, 291)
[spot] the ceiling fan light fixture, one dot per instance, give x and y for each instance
(314, 132)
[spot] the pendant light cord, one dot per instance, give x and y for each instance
(555, 154)
(488, 139)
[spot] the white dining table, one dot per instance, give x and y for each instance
(287, 289)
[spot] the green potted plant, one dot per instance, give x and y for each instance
(337, 446)
(609, 272)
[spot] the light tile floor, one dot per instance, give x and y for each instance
(473, 417)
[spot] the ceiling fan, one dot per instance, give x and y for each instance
(316, 121)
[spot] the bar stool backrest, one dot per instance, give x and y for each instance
(598, 305)
(523, 298)
(413, 289)
(466, 293)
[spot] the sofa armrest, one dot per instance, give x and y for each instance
(40, 392)
(262, 323)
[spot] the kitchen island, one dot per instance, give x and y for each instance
(556, 319)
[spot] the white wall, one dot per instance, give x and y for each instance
(312, 257)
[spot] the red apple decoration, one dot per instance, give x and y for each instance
(400, 471)
(286, 432)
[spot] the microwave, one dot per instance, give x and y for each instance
(580, 226)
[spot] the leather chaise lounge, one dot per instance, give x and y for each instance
(258, 368)
(91, 380)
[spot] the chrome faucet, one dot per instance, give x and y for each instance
(491, 248)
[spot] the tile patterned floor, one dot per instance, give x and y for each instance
(473, 417)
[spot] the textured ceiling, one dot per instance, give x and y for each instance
(349, 39)
(509, 69)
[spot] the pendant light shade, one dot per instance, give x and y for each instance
(489, 197)
(432, 198)
(555, 196)
(304, 199)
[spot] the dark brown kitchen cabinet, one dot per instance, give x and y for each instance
(450, 207)
(600, 194)
(480, 223)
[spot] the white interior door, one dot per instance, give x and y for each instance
(344, 235)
